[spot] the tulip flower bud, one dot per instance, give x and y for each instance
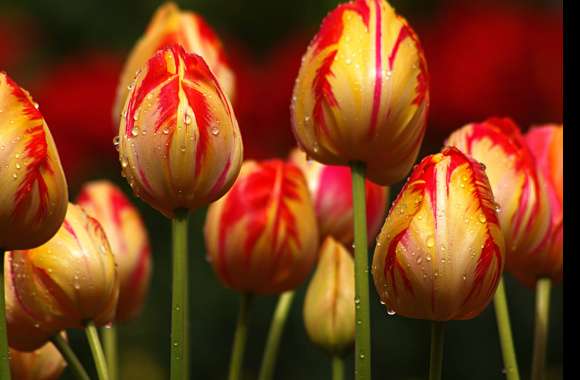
(180, 145)
(33, 189)
(128, 240)
(440, 254)
(362, 91)
(46, 363)
(517, 186)
(331, 190)
(262, 236)
(329, 307)
(546, 145)
(170, 25)
(69, 280)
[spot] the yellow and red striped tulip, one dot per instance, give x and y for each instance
(546, 144)
(440, 254)
(69, 280)
(262, 237)
(331, 190)
(179, 142)
(329, 306)
(45, 363)
(517, 186)
(128, 239)
(362, 91)
(33, 189)
(170, 25)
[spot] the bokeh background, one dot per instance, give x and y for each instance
(484, 57)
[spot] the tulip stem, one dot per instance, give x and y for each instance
(71, 358)
(274, 335)
(505, 333)
(543, 287)
(240, 338)
(337, 368)
(4, 363)
(180, 304)
(109, 334)
(97, 351)
(436, 362)
(361, 275)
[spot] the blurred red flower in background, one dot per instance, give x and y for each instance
(264, 90)
(18, 37)
(487, 59)
(76, 97)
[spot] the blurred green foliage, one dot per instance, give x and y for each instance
(400, 345)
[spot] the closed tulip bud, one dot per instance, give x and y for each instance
(362, 91)
(517, 186)
(46, 363)
(33, 189)
(170, 25)
(69, 280)
(329, 306)
(128, 240)
(262, 236)
(546, 144)
(440, 254)
(331, 190)
(180, 145)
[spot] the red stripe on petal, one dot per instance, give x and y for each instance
(36, 151)
(378, 68)
(202, 112)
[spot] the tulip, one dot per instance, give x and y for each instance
(69, 280)
(544, 266)
(179, 141)
(128, 239)
(262, 236)
(329, 308)
(546, 145)
(130, 245)
(522, 204)
(362, 92)
(34, 193)
(523, 207)
(46, 363)
(170, 25)
(440, 253)
(330, 187)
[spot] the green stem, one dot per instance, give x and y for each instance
(4, 363)
(179, 310)
(505, 333)
(240, 338)
(72, 360)
(337, 368)
(436, 362)
(361, 278)
(276, 329)
(543, 287)
(97, 351)
(109, 334)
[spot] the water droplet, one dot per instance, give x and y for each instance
(482, 219)
(18, 166)
(464, 277)
(348, 61)
(182, 149)
(187, 119)
(215, 130)
(124, 163)
(116, 142)
(362, 356)
(165, 131)
(428, 257)
(134, 131)
(419, 260)
(430, 242)
(14, 175)
(390, 311)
